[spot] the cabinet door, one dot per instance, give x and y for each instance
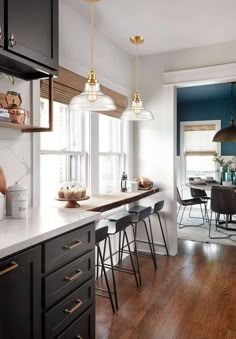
(20, 295)
(1, 23)
(33, 27)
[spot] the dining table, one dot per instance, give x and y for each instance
(206, 186)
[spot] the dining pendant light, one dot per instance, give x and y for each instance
(92, 99)
(137, 112)
(228, 134)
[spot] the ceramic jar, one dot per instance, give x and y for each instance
(17, 201)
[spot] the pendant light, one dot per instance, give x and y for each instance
(228, 134)
(137, 112)
(92, 99)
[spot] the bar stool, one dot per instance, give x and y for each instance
(101, 234)
(156, 209)
(142, 213)
(118, 224)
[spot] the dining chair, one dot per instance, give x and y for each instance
(223, 201)
(199, 193)
(188, 203)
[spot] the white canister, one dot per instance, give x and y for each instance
(17, 195)
(19, 208)
(2, 203)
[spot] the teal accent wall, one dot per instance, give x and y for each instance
(206, 110)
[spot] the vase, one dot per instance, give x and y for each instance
(223, 173)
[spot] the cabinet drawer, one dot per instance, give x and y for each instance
(65, 280)
(63, 249)
(63, 314)
(82, 328)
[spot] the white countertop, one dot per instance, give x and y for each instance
(41, 224)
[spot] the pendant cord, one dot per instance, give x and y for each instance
(137, 70)
(92, 36)
(232, 103)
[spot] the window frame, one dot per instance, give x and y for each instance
(121, 154)
(182, 155)
(82, 154)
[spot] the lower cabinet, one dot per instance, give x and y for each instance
(20, 296)
(82, 328)
(48, 291)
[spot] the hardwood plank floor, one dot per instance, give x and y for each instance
(190, 296)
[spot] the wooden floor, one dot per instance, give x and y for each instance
(190, 296)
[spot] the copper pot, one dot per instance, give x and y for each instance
(17, 114)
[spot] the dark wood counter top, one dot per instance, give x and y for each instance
(108, 201)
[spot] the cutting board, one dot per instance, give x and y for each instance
(3, 185)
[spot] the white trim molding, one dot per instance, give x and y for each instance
(202, 76)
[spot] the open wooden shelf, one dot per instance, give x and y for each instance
(23, 128)
(30, 128)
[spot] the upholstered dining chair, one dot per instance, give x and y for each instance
(223, 201)
(188, 203)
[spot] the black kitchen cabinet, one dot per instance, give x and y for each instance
(1, 23)
(48, 291)
(30, 47)
(20, 295)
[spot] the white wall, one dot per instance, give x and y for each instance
(112, 65)
(155, 141)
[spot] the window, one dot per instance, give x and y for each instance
(111, 156)
(62, 152)
(71, 151)
(198, 149)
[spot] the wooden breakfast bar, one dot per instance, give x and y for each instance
(108, 201)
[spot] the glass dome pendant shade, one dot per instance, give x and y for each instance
(227, 134)
(137, 112)
(92, 99)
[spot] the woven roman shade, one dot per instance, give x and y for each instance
(198, 139)
(200, 127)
(68, 84)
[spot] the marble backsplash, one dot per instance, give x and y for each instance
(15, 146)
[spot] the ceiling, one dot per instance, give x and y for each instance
(206, 92)
(166, 25)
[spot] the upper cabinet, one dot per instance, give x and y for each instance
(29, 38)
(1, 23)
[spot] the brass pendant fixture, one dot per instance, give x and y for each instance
(228, 134)
(92, 99)
(137, 112)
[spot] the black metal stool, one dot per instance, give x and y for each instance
(156, 209)
(118, 223)
(140, 214)
(101, 234)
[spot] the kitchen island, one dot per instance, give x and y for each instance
(47, 261)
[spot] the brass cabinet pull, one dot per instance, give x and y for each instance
(72, 246)
(13, 266)
(75, 308)
(12, 40)
(79, 272)
(1, 34)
